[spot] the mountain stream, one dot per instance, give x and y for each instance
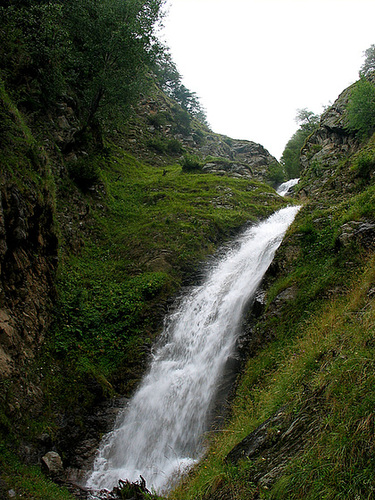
(160, 433)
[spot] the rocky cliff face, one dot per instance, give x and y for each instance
(236, 158)
(324, 151)
(28, 258)
(160, 126)
(28, 247)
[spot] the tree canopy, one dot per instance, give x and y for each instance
(114, 46)
(360, 117)
(309, 122)
(102, 54)
(369, 65)
(170, 81)
(361, 108)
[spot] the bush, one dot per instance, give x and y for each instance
(171, 146)
(157, 145)
(191, 163)
(174, 146)
(85, 172)
(158, 120)
(364, 164)
(183, 121)
(276, 174)
(361, 109)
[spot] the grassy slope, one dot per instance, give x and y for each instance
(143, 238)
(322, 351)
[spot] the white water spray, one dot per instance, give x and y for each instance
(285, 186)
(161, 430)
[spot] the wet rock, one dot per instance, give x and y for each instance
(334, 117)
(3, 244)
(237, 158)
(283, 297)
(28, 246)
(366, 234)
(324, 151)
(347, 233)
(80, 443)
(259, 303)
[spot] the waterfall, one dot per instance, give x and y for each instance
(161, 430)
(285, 186)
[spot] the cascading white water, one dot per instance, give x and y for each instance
(285, 186)
(161, 430)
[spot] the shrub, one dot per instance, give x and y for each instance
(85, 172)
(157, 120)
(157, 145)
(183, 121)
(364, 164)
(191, 163)
(174, 146)
(171, 146)
(361, 109)
(276, 173)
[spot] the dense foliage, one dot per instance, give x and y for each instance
(100, 54)
(290, 158)
(361, 108)
(368, 66)
(170, 82)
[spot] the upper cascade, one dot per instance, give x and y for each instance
(284, 188)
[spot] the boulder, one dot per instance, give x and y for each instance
(52, 465)
(361, 232)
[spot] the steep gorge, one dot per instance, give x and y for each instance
(74, 258)
(130, 228)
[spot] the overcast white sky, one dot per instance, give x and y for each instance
(253, 63)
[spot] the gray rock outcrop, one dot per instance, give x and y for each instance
(326, 148)
(236, 158)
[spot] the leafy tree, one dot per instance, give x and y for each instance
(167, 75)
(190, 102)
(369, 65)
(276, 173)
(361, 108)
(308, 120)
(291, 154)
(114, 46)
(170, 82)
(191, 163)
(290, 158)
(34, 47)
(100, 51)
